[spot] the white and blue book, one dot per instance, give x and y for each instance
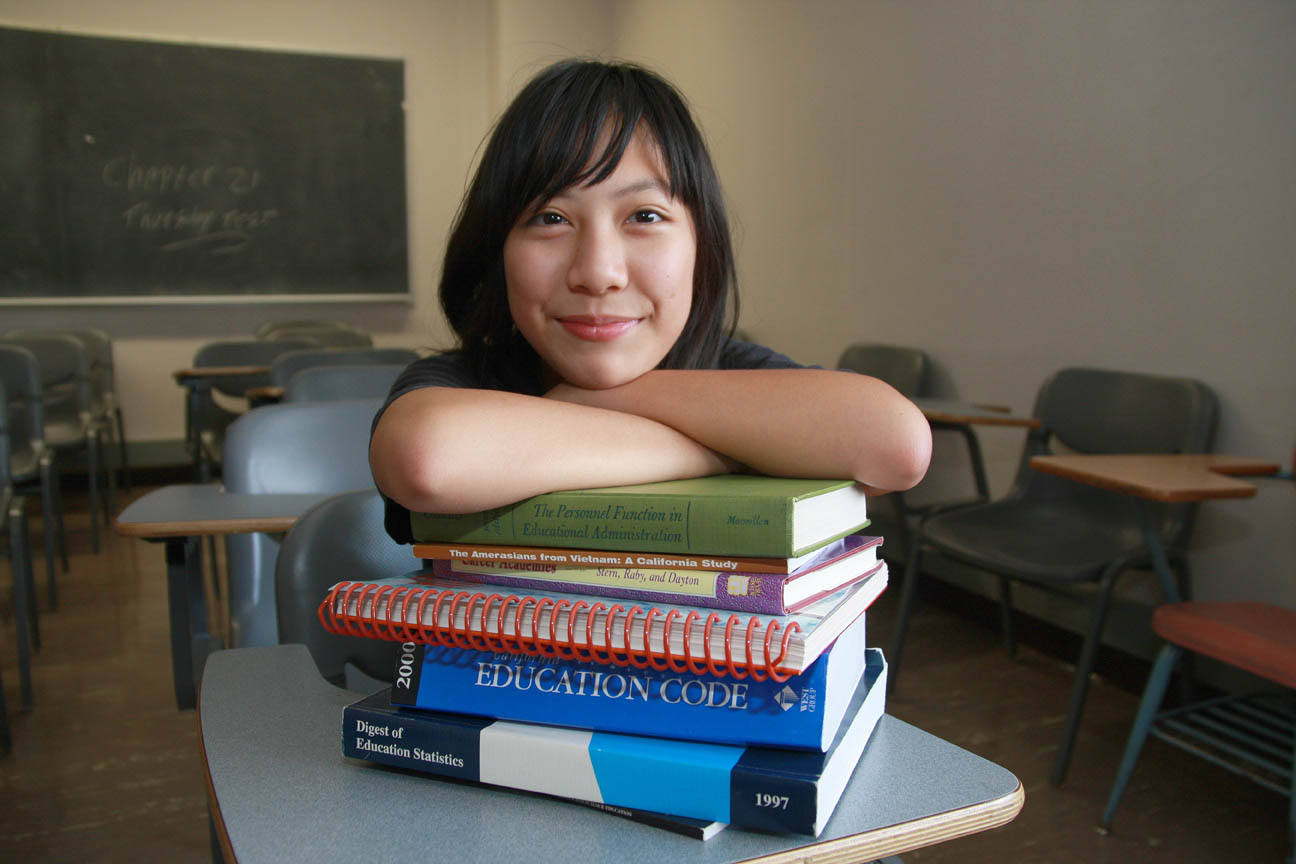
(761, 788)
(803, 712)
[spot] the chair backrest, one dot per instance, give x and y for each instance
(64, 373)
(24, 413)
(244, 352)
(4, 440)
(905, 369)
(1106, 411)
(324, 337)
(98, 345)
(337, 539)
(288, 364)
(326, 383)
(267, 329)
(301, 447)
(98, 350)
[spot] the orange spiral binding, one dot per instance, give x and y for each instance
(414, 613)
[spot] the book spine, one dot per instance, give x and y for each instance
(657, 775)
(379, 735)
(737, 592)
(484, 553)
(671, 524)
(790, 714)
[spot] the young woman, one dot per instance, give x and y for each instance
(590, 280)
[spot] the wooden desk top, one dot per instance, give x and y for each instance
(188, 510)
(967, 414)
(195, 373)
(270, 729)
(1160, 476)
(267, 393)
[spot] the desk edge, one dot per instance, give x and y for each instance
(907, 836)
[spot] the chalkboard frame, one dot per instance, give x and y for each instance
(151, 172)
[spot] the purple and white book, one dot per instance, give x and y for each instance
(832, 568)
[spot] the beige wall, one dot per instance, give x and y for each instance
(1017, 187)
(1014, 186)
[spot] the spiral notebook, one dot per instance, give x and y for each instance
(413, 608)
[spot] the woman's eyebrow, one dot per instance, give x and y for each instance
(648, 184)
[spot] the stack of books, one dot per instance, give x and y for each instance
(688, 653)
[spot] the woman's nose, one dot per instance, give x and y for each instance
(599, 261)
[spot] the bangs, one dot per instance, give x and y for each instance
(583, 130)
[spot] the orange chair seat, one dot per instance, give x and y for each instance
(1256, 637)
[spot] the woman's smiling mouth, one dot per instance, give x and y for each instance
(593, 328)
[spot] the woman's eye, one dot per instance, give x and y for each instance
(549, 218)
(646, 216)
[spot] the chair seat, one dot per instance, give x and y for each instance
(1035, 541)
(64, 435)
(1257, 637)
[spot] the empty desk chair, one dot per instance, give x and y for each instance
(325, 383)
(340, 538)
(105, 412)
(13, 517)
(1249, 734)
(267, 330)
(301, 447)
(103, 391)
(904, 368)
(324, 337)
(908, 370)
(227, 369)
(1057, 534)
(68, 411)
(31, 464)
(288, 364)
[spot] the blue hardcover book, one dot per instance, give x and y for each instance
(761, 788)
(802, 712)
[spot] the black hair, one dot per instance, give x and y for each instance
(545, 142)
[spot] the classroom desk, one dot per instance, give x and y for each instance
(961, 417)
(181, 516)
(197, 380)
(280, 790)
(1159, 478)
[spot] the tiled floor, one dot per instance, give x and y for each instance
(106, 769)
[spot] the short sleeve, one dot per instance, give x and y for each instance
(437, 370)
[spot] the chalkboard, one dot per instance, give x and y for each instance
(146, 171)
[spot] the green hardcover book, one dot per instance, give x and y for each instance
(732, 514)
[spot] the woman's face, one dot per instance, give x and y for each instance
(600, 278)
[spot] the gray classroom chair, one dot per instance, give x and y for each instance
(324, 383)
(13, 516)
(206, 419)
(105, 412)
(103, 391)
(904, 368)
(1060, 535)
(338, 539)
(323, 337)
(908, 370)
(288, 364)
(267, 329)
(300, 447)
(31, 463)
(67, 405)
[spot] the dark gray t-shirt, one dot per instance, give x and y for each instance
(450, 370)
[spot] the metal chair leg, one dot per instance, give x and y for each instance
(1006, 616)
(21, 561)
(96, 503)
(1084, 666)
(123, 456)
(908, 599)
(1153, 693)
